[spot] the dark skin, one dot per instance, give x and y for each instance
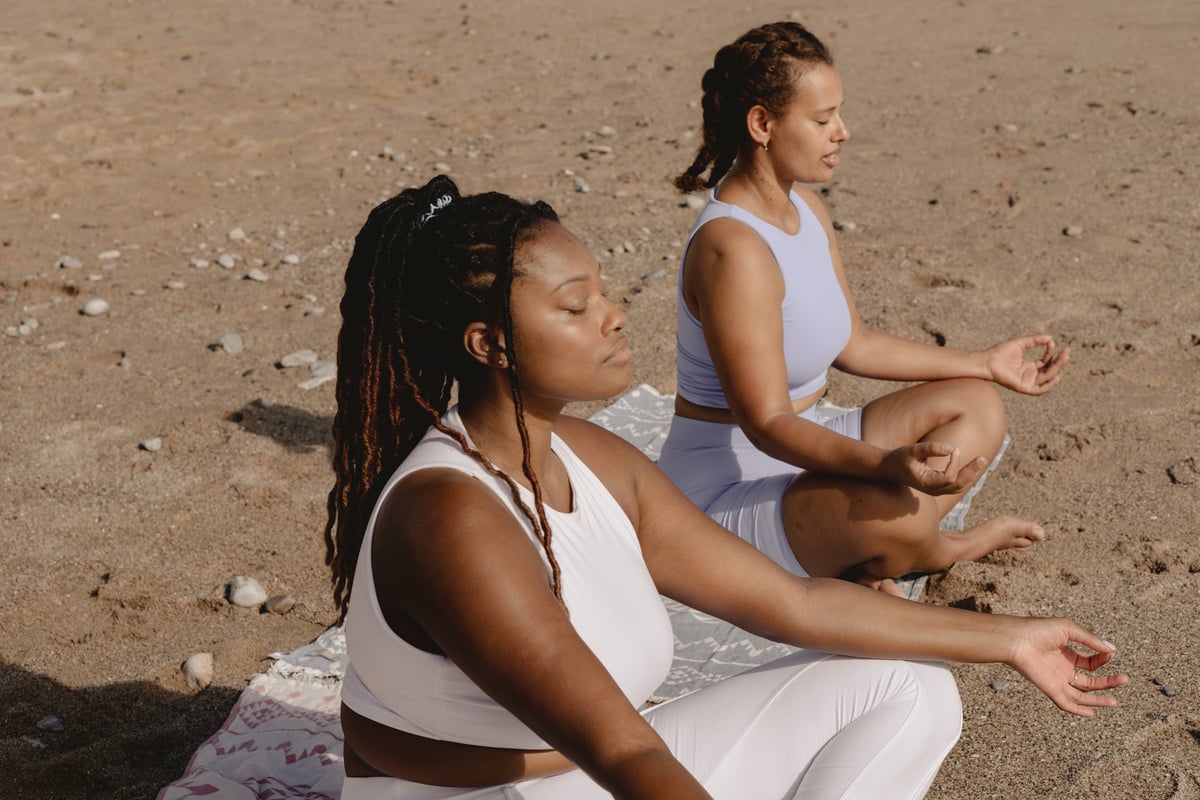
(464, 578)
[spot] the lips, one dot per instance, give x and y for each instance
(833, 159)
(620, 353)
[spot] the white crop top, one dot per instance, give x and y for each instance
(816, 317)
(611, 597)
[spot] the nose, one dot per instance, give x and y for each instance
(842, 134)
(615, 319)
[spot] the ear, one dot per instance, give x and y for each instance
(485, 344)
(759, 122)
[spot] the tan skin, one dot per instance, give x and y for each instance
(464, 578)
(868, 509)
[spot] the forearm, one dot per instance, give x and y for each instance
(845, 618)
(650, 775)
(810, 446)
(875, 354)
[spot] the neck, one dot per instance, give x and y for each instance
(753, 178)
(490, 418)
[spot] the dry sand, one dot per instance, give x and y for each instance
(981, 132)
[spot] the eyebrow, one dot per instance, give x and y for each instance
(572, 279)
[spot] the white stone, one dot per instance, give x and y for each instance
(237, 235)
(95, 307)
(200, 263)
(109, 255)
(291, 258)
(69, 262)
(151, 445)
(298, 359)
(227, 260)
(51, 724)
(258, 275)
(246, 592)
(198, 670)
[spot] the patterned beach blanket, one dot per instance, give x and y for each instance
(283, 739)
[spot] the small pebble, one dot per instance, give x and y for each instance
(1170, 691)
(231, 343)
(315, 310)
(581, 185)
(174, 285)
(1073, 230)
(607, 131)
(109, 255)
(95, 307)
(246, 592)
(999, 686)
(200, 263)
(298, 359)
(258, 275)
(51, 724)
(654, 273)
(262, 402)
(69, 262)
(151, 445)
(847, 226)
(227, 260)
(124, 362)
(280, 603)
(237, 235)
(442, 167)
(291, 258)
(198, 670)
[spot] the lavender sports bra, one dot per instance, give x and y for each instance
(816, 318)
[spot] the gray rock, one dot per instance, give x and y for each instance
(1000, 685)
(174, 285)
(109, 255)
(581, 185)
(237, 235)
(227, 260)
(246, 592)
(258, 275)
(280, 603)
(231, 343)
(151, 445)
(291, 258)
(51, 724)
(200, 263)
(69, 262)
(1073, 231)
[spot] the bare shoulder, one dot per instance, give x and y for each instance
(726, 240)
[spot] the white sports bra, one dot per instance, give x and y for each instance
(612, 600)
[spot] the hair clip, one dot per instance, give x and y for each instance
(434, 207)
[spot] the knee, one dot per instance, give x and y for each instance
(940, 701)
(981, 400)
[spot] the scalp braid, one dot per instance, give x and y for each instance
(426, 263)
(759, 68)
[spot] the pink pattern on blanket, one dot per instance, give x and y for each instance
(279, 741)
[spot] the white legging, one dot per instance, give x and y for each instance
(804, 727)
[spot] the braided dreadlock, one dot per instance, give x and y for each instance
(427, 263)
(760, 68)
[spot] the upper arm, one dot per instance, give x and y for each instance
(733, 285)
(462, 567)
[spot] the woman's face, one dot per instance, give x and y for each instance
(806, 141)
(570, 343)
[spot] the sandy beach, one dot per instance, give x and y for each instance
(1015, 167)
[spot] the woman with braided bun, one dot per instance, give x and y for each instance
(764, 310)
(499, 564)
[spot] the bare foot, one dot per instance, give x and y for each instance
(1004, 533)
(885, 585)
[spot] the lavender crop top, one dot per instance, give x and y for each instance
(816, 318)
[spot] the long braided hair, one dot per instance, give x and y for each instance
(760, 68)
(427, 263)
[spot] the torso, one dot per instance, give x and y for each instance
(816, 315)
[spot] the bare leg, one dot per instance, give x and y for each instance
(869, 530)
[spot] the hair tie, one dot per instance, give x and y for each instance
(434, 207)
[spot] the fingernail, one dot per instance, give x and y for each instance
(1110, 646)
